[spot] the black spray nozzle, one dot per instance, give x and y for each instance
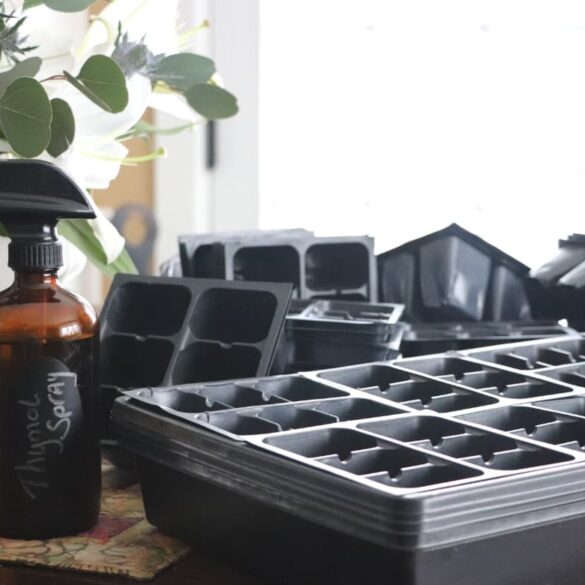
(34, 196)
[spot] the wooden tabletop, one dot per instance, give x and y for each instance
(195, 569)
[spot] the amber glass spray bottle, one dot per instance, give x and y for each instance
(49, 444)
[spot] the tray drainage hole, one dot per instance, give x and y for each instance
(437, 442)
(144, 393)
(426, 401)
(531, 429)
(345, 456)
(225, 345)
(395, 474)
(488, 458)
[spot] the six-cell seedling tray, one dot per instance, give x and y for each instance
(464, 467)
(157, 331)
(318, 268)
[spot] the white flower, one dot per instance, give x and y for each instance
(155, 21)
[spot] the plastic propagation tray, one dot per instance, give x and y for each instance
(445, 469)
(322, 334)
(201, 258)
(426, 338)
(157, 331)
(326, 268)
(453, 275)
(557, 289)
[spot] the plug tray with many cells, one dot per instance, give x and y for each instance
(411, 461)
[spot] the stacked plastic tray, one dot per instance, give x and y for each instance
(324, 334)
(157, 331)
(557, 289)
(453, 275)
(318, 268)
(426, 338)
(463, 467)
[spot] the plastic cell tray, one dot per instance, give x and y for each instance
(201, 258)
(319, 268)
(453, 275)
(555, 290)
(327, 268)
(157, 331)
(324, 334)
(423, 471)
(428, 338)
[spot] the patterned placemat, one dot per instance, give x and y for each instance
(122, 543)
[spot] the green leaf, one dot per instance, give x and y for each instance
(31, 4)
(25, 117)
(62, 127)
(211, 101)
(184, 70)
(81, 235)
(27, 68)
(103, 82)
(68, 5)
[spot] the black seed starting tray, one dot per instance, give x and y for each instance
(325, 334)
(429, 338)
(318, 268)
(556, 290)
(453, 275)
(450, 468)
(202, 258)
(157, 331)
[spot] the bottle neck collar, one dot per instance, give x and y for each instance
(35, 278)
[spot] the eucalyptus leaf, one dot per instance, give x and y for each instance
(102, 81)
(31, 4)
(25, 117)
(68, 5)
(184, 70)
(80, 233)
(62, 127)
(27, 68)
(211, 101)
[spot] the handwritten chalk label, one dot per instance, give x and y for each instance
(47, 417)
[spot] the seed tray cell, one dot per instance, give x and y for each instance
(573, 374)
(535, 355)
(538, 424)
(199, 398)
(574, 405)
(201, 257)
(285, 417)
(441, 366)
(406, 388)
(318, 268)
(373, 460)
(162, 331)
(466, 443)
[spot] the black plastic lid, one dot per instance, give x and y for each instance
(33, 257)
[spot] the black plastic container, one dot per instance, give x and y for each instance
(453, 275)
(557, 289)
(427, 471)
(428, 338)
(318, 268)
(157, 331)
(201, 258)
(326, 334)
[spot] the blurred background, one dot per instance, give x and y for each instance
(391, 118)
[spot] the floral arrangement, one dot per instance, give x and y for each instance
(75, 86)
